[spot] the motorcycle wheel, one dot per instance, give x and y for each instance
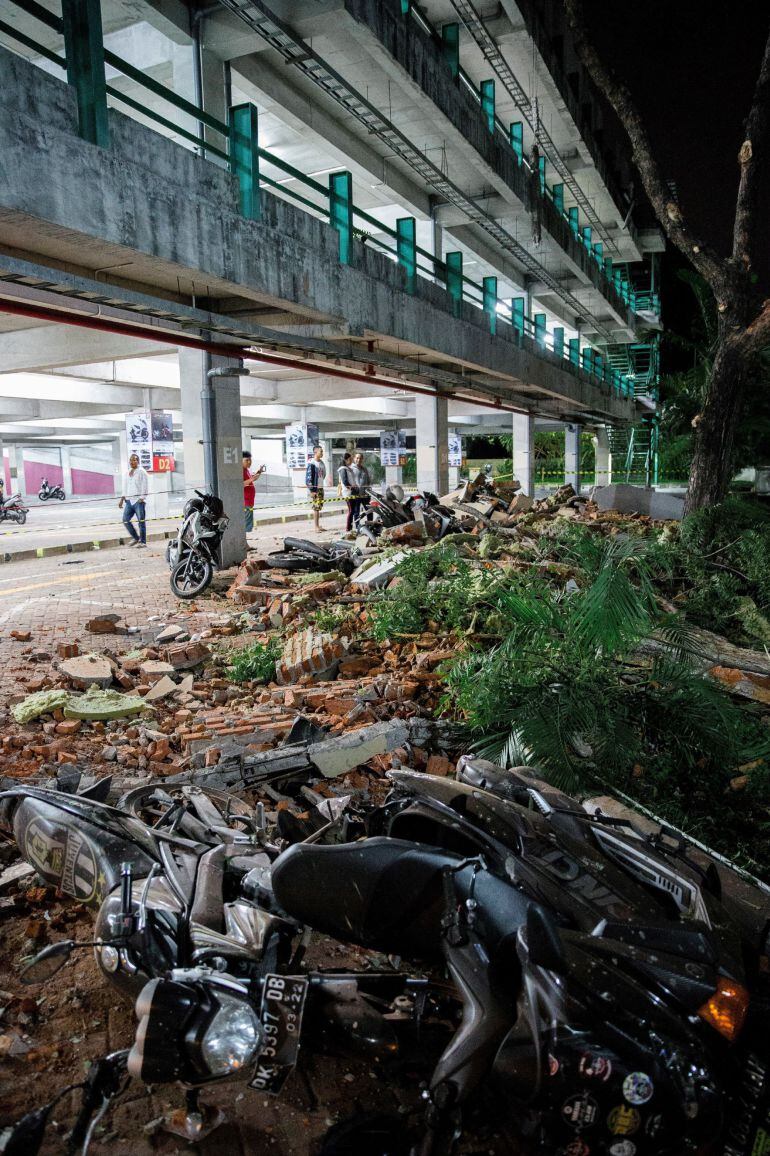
(61, 496)
(21, 516)
(158, 806)
(191, 576)
(42, 495)
(296, 561)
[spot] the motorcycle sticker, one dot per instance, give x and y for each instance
(580, 1110)
(67, 858)
(653, 1124)
(553, 1065)
(576, 1148)
(623, 1121)
(637, 1088)
(595, 1067)
(623, 1148)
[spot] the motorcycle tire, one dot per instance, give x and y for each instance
(303, 546)
(43, 496)
(191, 576)
(61, 496)
(21, 516)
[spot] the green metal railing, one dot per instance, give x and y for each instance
(85, 60)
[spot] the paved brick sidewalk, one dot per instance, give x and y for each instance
(53, 598)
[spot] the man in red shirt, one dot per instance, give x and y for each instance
(249, 491)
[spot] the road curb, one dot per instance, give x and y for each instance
(123, 540)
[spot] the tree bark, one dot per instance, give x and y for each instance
(711, 469)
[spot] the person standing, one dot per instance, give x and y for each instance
(136, 483)
(345, 486)
(361, 481)
(315, 477)
(249, 489)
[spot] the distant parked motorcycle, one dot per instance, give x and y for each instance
(13, 510)
(195, 553)
(47, 491)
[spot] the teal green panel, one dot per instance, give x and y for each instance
(450, 42)
(608, 268)
(341, 210)
(517, 313)
(558, 341)
(406, 7)
(406, 247)
(84, 50)
(454, 280)
(487, 95)
(574, 219)
(244, 158)
(585, 234)
(517, 139)
(541, 173)
(587, 358)
(539, 320)
(489, 291)
(599, 252)
(558, 197)
(574, 350)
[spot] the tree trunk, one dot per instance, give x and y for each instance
(712, 464)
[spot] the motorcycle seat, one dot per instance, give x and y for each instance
(388, 894)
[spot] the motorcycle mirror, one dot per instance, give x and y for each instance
(544, 945)
(47, 962)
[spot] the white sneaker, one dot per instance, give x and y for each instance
(142, 545)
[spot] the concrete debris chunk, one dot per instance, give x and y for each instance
(42, 702)
(105, 624)
(335, 756)
(161, 689)
(372, 574)
(87, 670)
(102, 705)
(154, 669)
(186, 655)
(170, 634)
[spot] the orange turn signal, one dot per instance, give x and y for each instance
(726, 1009)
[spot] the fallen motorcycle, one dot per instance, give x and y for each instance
(195, 553)
(587, 979)
(13, 510)
(301, 554)
(47, 491)
(383, 511)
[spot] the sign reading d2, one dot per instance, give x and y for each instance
(162, 464)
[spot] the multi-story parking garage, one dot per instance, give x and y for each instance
(362, 216)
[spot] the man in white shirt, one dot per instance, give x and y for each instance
(135, 487)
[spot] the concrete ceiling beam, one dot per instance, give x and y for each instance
(52, 346)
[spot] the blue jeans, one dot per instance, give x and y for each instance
(249, 513)
(135, 510)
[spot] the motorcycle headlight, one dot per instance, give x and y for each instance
(232, 1038)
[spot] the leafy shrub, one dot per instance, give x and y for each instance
(256, 662)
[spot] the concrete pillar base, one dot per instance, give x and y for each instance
(572, 456)
(523, 430)
(432, 435)
(603, 471)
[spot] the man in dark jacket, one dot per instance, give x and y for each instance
(315, 477)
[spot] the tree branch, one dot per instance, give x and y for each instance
(709, 264)
(750, 160)
(757, 333)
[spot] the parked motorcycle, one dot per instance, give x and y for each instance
(47, 491)
(195, 553)
(583, 977)
(13, 510)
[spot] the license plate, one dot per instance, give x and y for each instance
(283, 1001)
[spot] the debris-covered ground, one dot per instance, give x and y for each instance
(552, 632)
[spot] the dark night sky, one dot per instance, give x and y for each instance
(692, 66)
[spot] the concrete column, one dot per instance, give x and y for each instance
(213, 83)
(16, 461)
(432, 444)
(603, 472)
(66, 468)
(572, 456)
(394, 475)
(523, 430)
(228, 443)
(118, 453)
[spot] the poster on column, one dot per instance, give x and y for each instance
(162, 442)
(455, 450)
(296, 445)
(139, 438)
(389, 447)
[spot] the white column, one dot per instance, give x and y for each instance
(572, 456)
(66, 469)
(432, 444)
(118, 455)
(523, 430)
(603, 473)
(213, 83)
(16, 460)
(394, 475)
(228, 443)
